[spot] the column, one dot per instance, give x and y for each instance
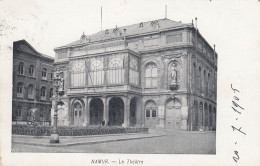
(126, 112)
(86, 112)
(105, 111)
(161, 116)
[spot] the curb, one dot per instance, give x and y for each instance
(85, 142)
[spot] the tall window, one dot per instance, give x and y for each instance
(21, 68)
(151, 76)
(32, 71)
(19, 111)
(199, 80)
(147, 114)
(43, 93)
(20, 89)
(78, 74)
(96, 72)
(51, 92)
(208, 86)
(153, 113)
(116, 70)
(52, 75)
(194, 76)
(44, 74)
(133, 72)
(30, 91)
(204, 82)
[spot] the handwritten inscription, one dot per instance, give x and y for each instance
(238, 110)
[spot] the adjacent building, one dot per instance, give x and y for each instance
(158, 74)
(32, 84)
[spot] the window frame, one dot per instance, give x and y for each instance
(20, 89)
(43, 93)
(32, 71)
(150, 78)
(21, 68)
(116, 70)
(44, 74)
(95, 72)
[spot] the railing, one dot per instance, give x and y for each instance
(72, 131)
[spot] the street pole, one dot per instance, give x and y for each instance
(55, 134)
(59, 92)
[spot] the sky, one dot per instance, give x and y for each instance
(49, 24)
(233, 25)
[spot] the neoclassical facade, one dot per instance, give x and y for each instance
(157, 74)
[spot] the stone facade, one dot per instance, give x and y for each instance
(32, 84)
(158, 74)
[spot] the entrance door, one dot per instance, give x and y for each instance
(173, 114)
(151, 119)
(116, 112)
(78, 114)
(96, 111)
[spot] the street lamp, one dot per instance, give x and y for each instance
(59, 87)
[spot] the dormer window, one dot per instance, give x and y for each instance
(116, 31)
(141, 25)
(155, 24)
(106, 31)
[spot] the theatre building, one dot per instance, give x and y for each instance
(32, 84)
(156, 74)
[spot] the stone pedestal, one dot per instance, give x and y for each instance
(54, 138)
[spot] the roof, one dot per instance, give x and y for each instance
(134, 29)
(29, 49)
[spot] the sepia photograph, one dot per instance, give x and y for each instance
(124, 82)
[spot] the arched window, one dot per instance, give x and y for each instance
(21, 68)
(30, 91)
(134, 71)
(116, 71)
(44, 74)
(32, 71)
(96, 72)
(151, 76)
(78, 74)
(20, 89)
(43, 93)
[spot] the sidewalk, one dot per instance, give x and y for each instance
(83, 140)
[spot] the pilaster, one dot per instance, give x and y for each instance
(126, 112)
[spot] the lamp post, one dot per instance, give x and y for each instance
(58, 84)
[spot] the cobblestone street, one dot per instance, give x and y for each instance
(175, 142)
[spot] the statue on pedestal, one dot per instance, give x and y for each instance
(174, 73)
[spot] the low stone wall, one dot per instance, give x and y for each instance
(73, 131)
